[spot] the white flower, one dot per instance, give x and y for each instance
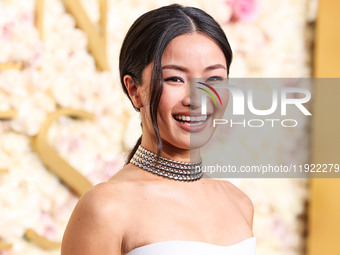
(60, 72)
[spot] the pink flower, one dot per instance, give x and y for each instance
(6, 30)
(49, 231)
(244, 10)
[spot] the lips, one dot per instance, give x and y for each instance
(191, 119)
(192, 122)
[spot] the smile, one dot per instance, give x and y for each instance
(191, 120)
(191, 123)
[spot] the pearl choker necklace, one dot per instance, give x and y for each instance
(168, 168)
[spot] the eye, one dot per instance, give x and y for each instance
(214, 78)
(174, 79)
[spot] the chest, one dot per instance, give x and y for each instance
(205, 218)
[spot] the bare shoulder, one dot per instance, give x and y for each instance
(97, 224)
(241, 200)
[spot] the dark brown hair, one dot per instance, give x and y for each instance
(146, 40)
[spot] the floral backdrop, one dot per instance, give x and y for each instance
(269, 39)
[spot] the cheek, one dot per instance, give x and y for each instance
(225, 98)
(166, 103)
(224, 95)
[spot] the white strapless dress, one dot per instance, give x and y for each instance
(245, 247)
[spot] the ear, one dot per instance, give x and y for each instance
(133, 90)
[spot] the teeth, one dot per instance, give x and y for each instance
(192, 124)
(191, 119)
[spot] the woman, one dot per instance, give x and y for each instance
(150, 207)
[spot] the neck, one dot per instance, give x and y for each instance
(172, 152)
(170, 168)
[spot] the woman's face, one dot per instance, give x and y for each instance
(180, 121)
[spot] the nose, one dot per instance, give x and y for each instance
(192, 97)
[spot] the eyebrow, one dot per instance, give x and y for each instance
(184, 69)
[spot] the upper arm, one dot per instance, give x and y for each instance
(95, 226)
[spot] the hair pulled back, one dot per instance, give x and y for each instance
(145, 42)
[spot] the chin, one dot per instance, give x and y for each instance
(183, 144)
(198, 140)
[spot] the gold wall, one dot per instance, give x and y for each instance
(324, 220)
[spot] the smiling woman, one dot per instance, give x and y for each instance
(182, 65)
(158, 203)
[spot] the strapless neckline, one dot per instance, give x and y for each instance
(197, 244)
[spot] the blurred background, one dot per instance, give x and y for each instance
(65, 124)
